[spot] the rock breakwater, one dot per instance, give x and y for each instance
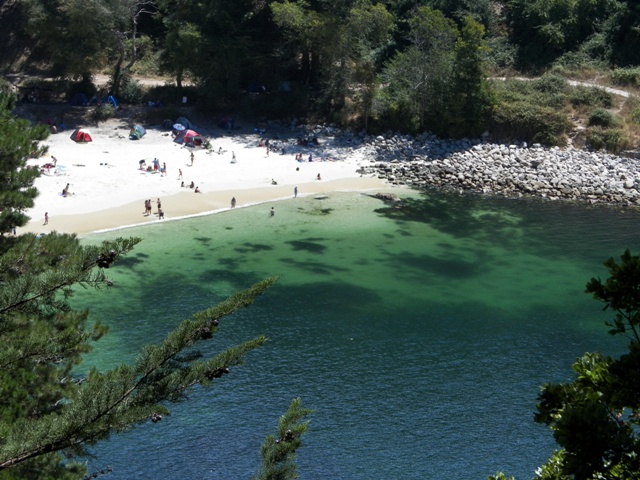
(509, 170)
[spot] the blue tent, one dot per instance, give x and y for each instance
(79, 99)
(137, 132)
(110, 99)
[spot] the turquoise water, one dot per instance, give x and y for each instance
(419, 336)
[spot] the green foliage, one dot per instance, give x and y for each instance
(594, 417)
(19, 141)
(8, 98)
(502, 54)
(500, 476)
(531, 123)
(131, 91)
(44, 413)
(546, 91)
(417, 80)
(472, 99)
(620, 293)
(626, 77)
(278, 451)
(635, 115)
(590, 97)
(612, 140)
(551, 85)
(103, 112)
(603, 118)
(546, 29)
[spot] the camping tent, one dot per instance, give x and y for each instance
(79, 99)
(81, 135)
(110, 99)
(185, 122)
(189, 137)
(137, 132)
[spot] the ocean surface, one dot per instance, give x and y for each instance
(420, 335)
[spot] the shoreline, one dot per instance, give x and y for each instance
(186, 205)
(108, 186)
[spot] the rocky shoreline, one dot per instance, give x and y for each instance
(507, 170)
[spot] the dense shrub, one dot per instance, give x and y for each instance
(629, 77)
(103, 112)
(530, 122)
(548, 91)
(502, 55)
(590, 97)
(131, 91)
(550, 84)
(635, 115)
(612, 140)
(601, 117)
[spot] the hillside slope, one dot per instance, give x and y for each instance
(14, 40)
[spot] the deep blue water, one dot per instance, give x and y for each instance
(419, 336)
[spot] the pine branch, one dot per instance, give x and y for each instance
(278, 454)
(114, 401)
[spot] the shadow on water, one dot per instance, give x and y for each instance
(203, 240)
(239, 280)
(453, 268)
(310, 245)
(454, 214)
(316, 211)
(131, 262)
(249, 247)
(313, 267)
(556, 229)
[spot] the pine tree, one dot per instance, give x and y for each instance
(48, 414)
(18, 141)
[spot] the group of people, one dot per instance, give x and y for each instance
(155, 168)
(299, 157)
(191, 185)
(147, 209)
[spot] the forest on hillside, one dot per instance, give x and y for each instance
(405, 65)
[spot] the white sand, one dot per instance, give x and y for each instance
(109, 189)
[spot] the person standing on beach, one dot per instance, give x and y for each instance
(179, 174)
(233, 202)
(295, 191)
(233, 157)
(164, 169)
(46, 218)
(159, 206)
(192, 157)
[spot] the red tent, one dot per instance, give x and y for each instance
(189, 137)
(80, 135)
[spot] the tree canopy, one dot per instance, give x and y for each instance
(349, 62)
(595, 417)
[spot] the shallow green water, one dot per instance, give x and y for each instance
(418, 335)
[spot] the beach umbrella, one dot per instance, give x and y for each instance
(179, 127)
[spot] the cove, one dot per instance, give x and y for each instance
(418, 335)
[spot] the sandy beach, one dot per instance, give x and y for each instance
(108, 187)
